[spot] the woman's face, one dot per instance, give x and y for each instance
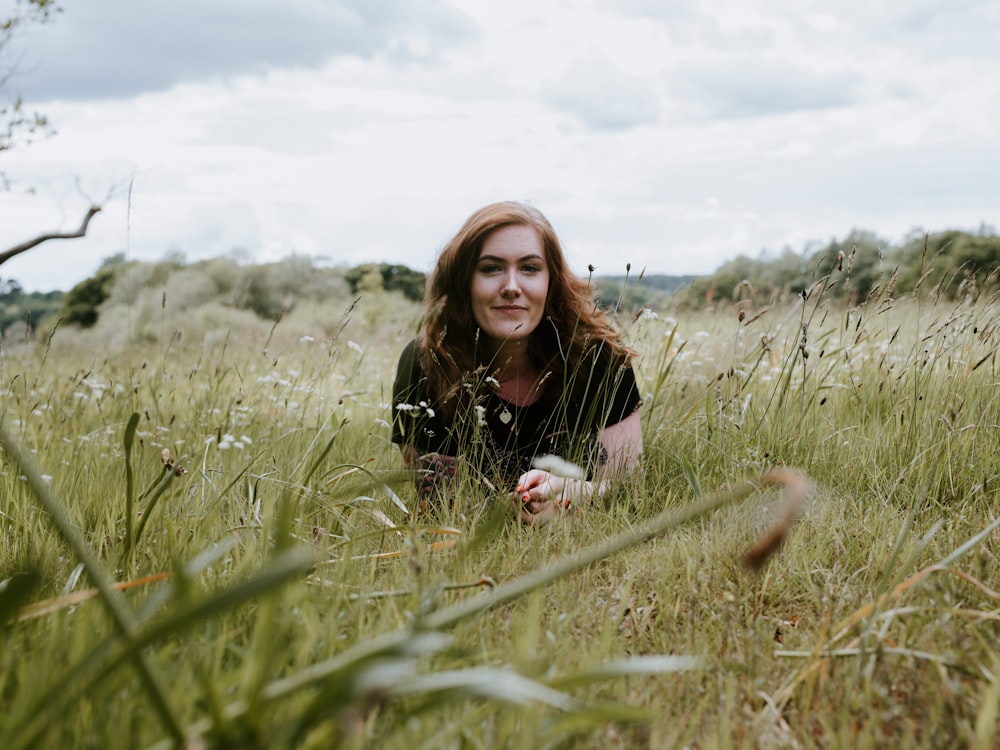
(510, 283)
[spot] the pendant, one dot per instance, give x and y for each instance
(506, 416)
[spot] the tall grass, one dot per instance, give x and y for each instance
(205, 534)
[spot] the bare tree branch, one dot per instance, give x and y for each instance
(82, 231)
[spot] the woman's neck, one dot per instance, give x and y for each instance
(510, 359)
(515, 372)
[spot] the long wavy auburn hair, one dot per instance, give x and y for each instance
(572, 326)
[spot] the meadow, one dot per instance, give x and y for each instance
(206, 541)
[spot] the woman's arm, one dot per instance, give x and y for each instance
(542, 495)
(435, 472)
(409, 454)
(622, 445)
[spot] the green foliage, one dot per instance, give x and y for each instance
(80, 304)
(950, 263)
(394, 278)
(149, 296)
(631, 293)
(862, 265)
(22, 312)
(271, 289)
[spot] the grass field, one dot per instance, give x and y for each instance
(240, 475)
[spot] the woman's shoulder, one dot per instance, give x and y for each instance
(607, 356)
(411, 350)
(408, 366)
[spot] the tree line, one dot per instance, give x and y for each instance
(268, 290)
(949, 264)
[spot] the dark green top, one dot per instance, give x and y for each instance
(501, 439)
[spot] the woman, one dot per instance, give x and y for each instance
(514, 363)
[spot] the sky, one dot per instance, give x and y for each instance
(665, 136)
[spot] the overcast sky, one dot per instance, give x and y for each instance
(668, 135)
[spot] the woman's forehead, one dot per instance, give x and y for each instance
(513, 240)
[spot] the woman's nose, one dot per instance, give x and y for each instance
(511, 285)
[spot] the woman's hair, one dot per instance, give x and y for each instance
(571, 327)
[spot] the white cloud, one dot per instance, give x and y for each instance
(670, 136)
(103, 48)
(752, 87)
(603, 97)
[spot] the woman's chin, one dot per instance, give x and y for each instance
(508, 334)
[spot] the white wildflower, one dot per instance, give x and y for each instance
(560, 467)
(272, 377)
(355, 346)
(95, 385)
(306, 339)
(480, 415)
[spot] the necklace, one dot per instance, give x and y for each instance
(505, 415)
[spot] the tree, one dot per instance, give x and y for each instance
(394, 278)
(16, 124)
(14, 121)
(10, 289)
(10, 252)
(80, 304)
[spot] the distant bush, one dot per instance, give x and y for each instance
(394, 278)
(630, 293)
(21, 312)
(948, 264)
(267, 290)
(80, 304)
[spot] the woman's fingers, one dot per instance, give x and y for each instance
(541, 497)
(538, 513)
(543, 512)
(531, 479)
(538, 485)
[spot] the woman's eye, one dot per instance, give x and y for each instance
(531, 268)
(490, 269)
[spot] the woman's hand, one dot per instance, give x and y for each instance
(541, 497)
(434, 476)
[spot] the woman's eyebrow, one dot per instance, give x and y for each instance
(533, 256)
